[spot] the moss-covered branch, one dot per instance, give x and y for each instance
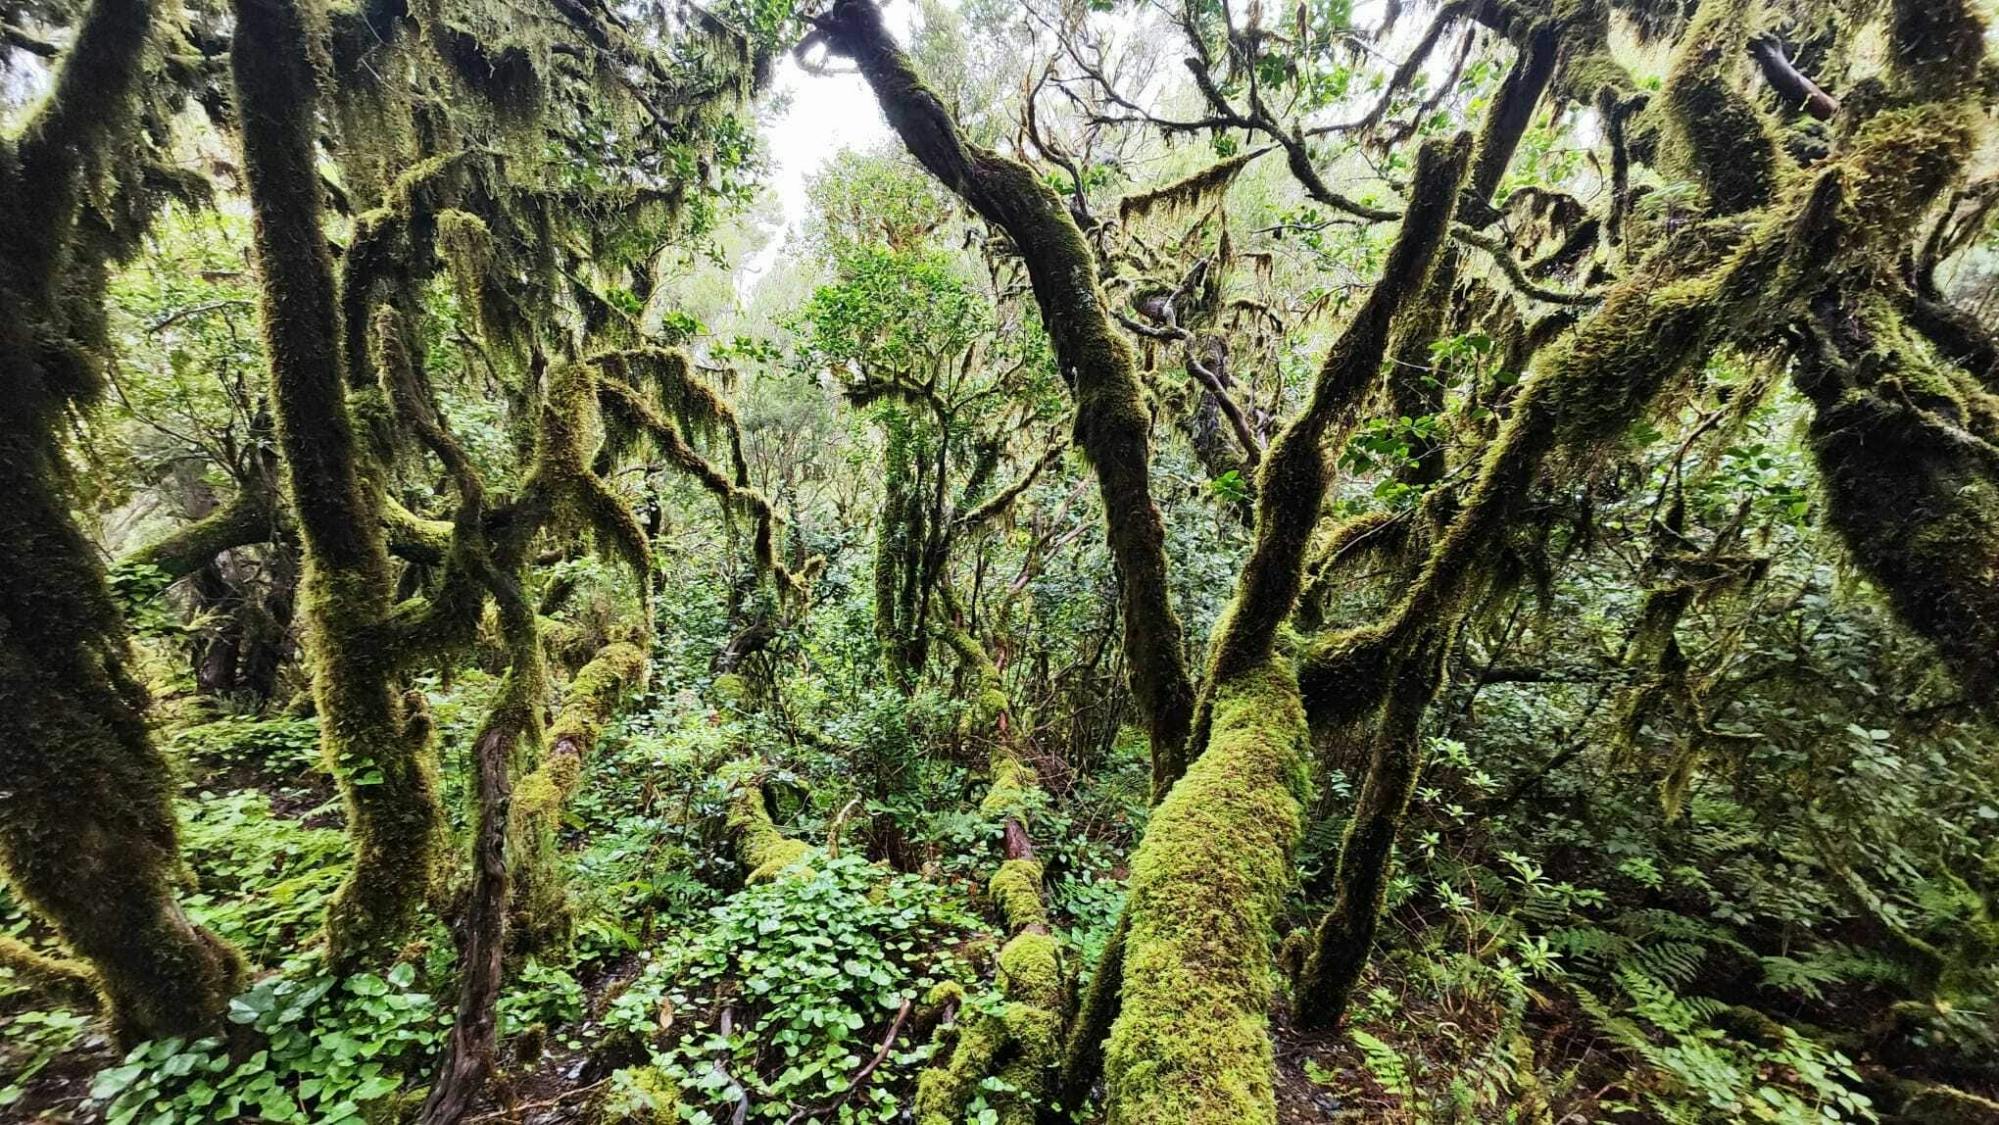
(1295, 477)
(248, 517)
(1112, 422)
(1344, 936)
(542, 917)
(1726, 279)
(376, 745)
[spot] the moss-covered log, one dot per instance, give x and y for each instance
(542, 917)
(375, 744)
(88, 838)
(1192, 1041)
(764, 851)
(1022, 1042)
(1112, 421)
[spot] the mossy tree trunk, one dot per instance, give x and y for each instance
(1192, 1041)
(901, 541)
(512, 732)
(1723, 280)
(375, 742)
(1195, 988)
(87, 830)
(1344, 936)
(1112, 422)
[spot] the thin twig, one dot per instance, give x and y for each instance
(861, 1075)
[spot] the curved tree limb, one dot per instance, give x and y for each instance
(1112, 422)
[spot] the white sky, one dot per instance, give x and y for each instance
(823, 115)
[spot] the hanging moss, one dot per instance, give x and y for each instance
(88, 840)
(1716, 134)
(1189, 193)
(504, 75)
(374, 743)
(627, 408)
(1192, 1042)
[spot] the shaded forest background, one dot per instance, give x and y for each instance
(1403, 561)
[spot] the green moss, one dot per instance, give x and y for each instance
(541, 914)
(1016, 889)
(764, 851)
(1586, 70)
(88, 840)
(1714, 134)
(942, 1092)
(731, 689)
(1015, 791)
(1018, 1045)
(641, 1095)
(1192, 1041)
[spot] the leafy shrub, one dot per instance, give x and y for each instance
(331, 1052)
(801, 972)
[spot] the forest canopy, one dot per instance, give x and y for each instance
(1389, 560)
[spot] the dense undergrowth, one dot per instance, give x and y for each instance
(1420, 562)
(1559, 941)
